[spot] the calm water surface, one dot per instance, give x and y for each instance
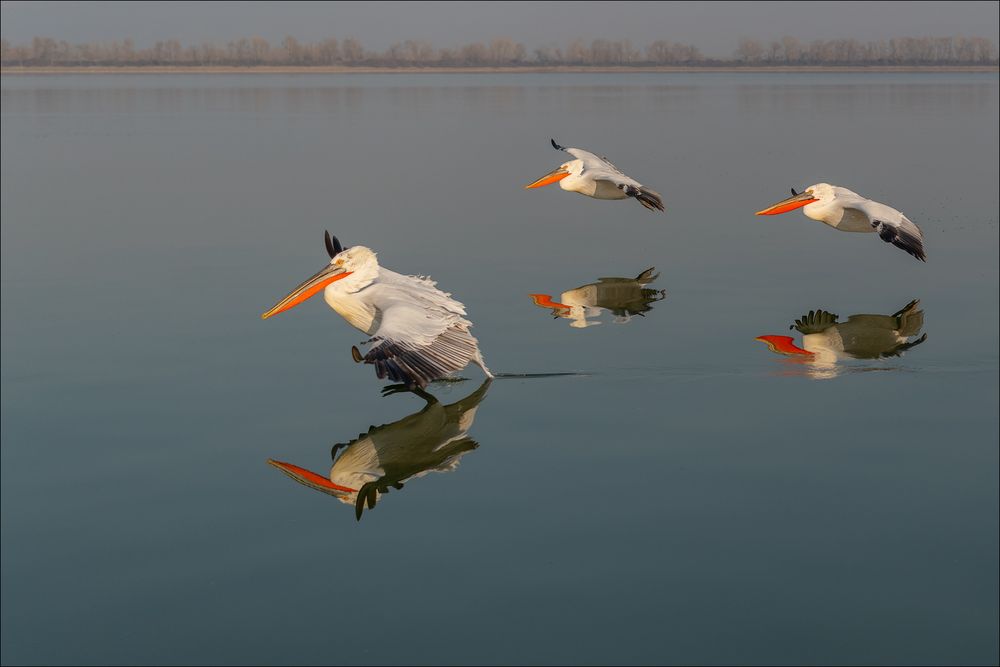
(684, 495)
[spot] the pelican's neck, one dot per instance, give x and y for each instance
(826, 210)
(575, 182)
(343, 297)
(362, 275)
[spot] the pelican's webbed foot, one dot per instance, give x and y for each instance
(400, 388)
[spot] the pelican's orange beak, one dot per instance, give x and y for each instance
(783, 345)
(790, 204)
(549, 178)
(545, 301)
(311, 479)
(328, 274)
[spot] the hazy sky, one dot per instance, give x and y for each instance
(714, 27)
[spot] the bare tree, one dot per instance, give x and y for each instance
(505, 51)
(774, 51)
(475, 54)
(792, 49)
(351, 51)
(749, 50)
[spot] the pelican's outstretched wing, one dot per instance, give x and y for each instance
(403, 360)
(902, 234)
(892, 226)
(422, 335)
(648, 198)
(815, 321)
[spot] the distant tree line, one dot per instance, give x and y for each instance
(899, 51)
(500, 52)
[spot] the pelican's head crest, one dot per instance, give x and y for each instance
(333, 247)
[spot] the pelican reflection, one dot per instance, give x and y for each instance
(431, 440)
(825, 340)
(622, 297)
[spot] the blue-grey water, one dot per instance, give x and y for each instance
(685, 496)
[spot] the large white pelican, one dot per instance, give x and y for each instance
(850, 212)
(418, 333)
(596, 177)
(432, 440)
(825, 340)
(623, 297)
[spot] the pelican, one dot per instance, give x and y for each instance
(431, 440)
(418, 333)
(850, 212)
(624, 297)
(596, 177)
(826, 341)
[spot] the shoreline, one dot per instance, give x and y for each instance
(280, 69)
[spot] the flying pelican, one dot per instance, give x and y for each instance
(825, 340)
(624, 297)
(418, 333)
(596, 177)
(850, 212)
(432, 440)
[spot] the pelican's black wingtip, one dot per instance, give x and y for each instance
(556, 146)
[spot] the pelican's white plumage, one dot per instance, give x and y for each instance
(848, 211)
(418, 333)
(596, 177)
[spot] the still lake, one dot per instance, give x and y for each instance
(682, 495)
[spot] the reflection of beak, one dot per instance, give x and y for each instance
(783, 345)
(545, 301)
(311, 286)
(549, 178)
(311, 479)
(790, 204)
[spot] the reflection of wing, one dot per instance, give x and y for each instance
(445, 459)
(903, 347)
(644, 278)
(470, 402)
(911, 320)
(907, 321)
(421, 335)
(601, 169)
(815, 321)
(592, 161)
(892, 226)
